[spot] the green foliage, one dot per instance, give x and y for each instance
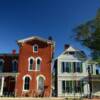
(89, 35)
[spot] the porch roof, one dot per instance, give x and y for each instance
(5, 74)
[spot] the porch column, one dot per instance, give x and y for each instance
(2, 85)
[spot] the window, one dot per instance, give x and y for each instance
(97, 72)
(72, 86)
(14, 66)
(71, 53)
(31, 64)
(77, 67)
(38, 61)
(35, 48)
(1, 65)
(78, 86)
(41, 83)
(66, 67)
(66, 86)
(26, 83)
(91, 68)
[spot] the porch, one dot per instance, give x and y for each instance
(7, 84)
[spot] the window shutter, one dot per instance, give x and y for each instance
(81, 67)
(63, 86)
(67, 67)
(62, 67)
(70, 67)
(70, 85)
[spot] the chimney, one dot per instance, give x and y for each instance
(50, 38)
(14, 51)
(66, 46)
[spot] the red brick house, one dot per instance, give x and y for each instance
(30, 72)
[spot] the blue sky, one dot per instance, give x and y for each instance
(56, 18)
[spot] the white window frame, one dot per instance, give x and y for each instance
(37, 64)
(29, 63)
(34, 47)
(24, 82)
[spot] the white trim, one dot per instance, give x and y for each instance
(37, 78)
(29, 62)
(36, 63)
(40, 76)
(27, 75)
(33, 38)
(2, 85)
(34, 47)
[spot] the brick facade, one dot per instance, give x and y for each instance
(45, 52)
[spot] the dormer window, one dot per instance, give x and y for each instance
(71, 53)
(35, 48)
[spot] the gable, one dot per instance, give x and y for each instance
(34, 38)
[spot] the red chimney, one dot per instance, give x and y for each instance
(14, 51)
(66, 46)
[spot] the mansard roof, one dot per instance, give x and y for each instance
(35, 38)
(9, 54)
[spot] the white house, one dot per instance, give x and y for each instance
(71, 73)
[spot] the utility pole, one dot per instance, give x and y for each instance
(90, 82)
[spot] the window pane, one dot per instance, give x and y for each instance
(63, 86)
(31, 61)
(78, 67)
(41, 84)
(67, 86)
(26, 84)
(38, 61)
(31, 64)
(38, 64)
(35, 47)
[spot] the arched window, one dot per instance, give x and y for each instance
(41, 83)
(14, 66)
(1, 65)
(38, 63)
(31, 64)
(26, 83)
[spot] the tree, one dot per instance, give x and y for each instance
(89, 35)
